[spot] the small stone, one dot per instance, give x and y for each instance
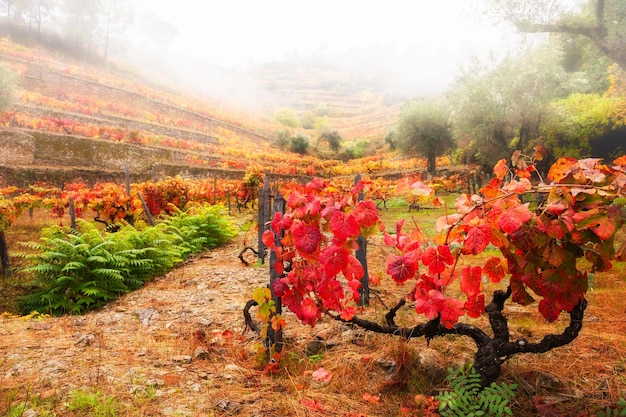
(429, 358)
(54, 366)
(157, 382)
(182, 358)
(232, 367)
(85, 340)
(200, 354)
(204, 321)
(144, 315)
(227, 405)
(29, 413)
(431, 361)
(388, 365)
(314, 347)
(40, 326)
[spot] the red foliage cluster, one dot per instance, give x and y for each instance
(317, 237)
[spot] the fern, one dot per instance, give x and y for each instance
(468, 398)
(78, 271)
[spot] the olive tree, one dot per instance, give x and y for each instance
(601, 21)
(332, 137)
(425, 128)
(501, 110)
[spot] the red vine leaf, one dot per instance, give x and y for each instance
(352, 269)
(436, 259)
(428, 304)
(451, 310)
(333, 260)
(348, 313)
(366, 214)
(561, 169)
(471, 279)
(306, 238)
(401, 268)
(554, 253)
(549, 309)
(475, 306)
(344, 225)
(513, 218)
(312, 404)
(494, 269)
(478, 237)
(519, 294)
(604, 228)
(500, 170)
(309, 311)
(322, 375)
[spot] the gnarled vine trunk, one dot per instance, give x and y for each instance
(491, 352)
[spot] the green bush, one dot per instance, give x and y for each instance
(78, 271)
(199, 227)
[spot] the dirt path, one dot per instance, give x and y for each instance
(142, 345)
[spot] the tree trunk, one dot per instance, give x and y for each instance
(431, 166)
(4, 256)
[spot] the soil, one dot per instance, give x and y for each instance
(178, 344)
(178, 347)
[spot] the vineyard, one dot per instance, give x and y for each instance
(318, 281)
(171, 131)
(126, 211)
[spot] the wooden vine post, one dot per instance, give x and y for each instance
(263, 218)
(361, 256)
(129, 206)
(72, 214)
(275, 338)
(146, 209)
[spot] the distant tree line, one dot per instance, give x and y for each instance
(85, 29)
(568, 94)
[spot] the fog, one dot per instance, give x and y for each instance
(406, 48)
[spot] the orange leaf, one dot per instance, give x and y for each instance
(322, 375)
(312, 404)
(367, 397)
(561, 169)
(500, 170)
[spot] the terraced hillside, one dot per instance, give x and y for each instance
(355, 105)
(69, 116)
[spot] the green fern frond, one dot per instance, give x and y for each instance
(108, 273)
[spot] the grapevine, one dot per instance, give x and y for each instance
(581, 212)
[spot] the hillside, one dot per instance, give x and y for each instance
(356, 105)
(71, 108)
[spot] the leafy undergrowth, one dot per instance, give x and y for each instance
(139, 367)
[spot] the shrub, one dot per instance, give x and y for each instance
(78, 271)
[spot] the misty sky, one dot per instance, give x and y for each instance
(236, 33)
(414, 47)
